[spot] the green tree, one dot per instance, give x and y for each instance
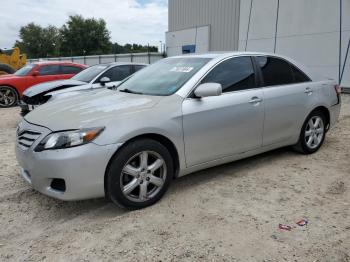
(133, 48)
(82, 36)
(37, 41)
(77, 37)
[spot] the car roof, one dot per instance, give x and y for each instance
(224, 54)
(121, 64)
(57, 63)
(218, 56)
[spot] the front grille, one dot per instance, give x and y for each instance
(26, 138)
(36, 100)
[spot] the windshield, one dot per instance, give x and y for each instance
(164, 77)
(24, 70)
(89, 73)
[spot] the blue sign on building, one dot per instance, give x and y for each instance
(187, 49)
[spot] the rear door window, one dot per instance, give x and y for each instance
(49, 70)
(233, 74)
(275, 71)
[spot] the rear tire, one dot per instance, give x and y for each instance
(8, 97)
(6, 69)
(312, 134)
(139, 174)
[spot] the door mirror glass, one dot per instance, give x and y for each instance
(35, 73)
(105, 80)
(208, 89)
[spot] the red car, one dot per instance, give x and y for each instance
(12, 86)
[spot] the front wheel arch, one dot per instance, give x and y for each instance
(16, 91)
(157, 137)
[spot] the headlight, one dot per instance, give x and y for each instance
(68, 139)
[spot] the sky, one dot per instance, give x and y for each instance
(129, 21)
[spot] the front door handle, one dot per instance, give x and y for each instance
(308, 91)
(255, 100)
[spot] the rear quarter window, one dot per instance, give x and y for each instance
(138, 67)
(299, 76)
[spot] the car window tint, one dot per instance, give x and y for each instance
(117, 73)
(299, 76)
(70, 69)
(138, 67)
(121, 72)
(233, 74)
(49, 70)
(275, 71)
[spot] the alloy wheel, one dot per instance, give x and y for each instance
(143, 176)
(8, 97)
(314, 132)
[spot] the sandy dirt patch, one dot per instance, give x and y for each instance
(227, 213)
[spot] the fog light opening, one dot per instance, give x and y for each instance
(58, 184)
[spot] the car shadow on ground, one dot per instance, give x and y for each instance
(233, 169)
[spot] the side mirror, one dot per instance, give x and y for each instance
(105, 80)
(208, 89)
(35, 73)
(113, 85)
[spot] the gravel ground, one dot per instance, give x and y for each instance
(227, 213)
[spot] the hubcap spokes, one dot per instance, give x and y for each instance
(7, 97)
(143, 176)
(314, 132)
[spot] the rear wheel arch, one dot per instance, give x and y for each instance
(324, 110)
(309, 132)
(156, 137)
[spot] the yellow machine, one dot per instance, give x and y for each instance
(11, 60)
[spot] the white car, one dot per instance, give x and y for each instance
(94, 77)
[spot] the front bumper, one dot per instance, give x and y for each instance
(82, 168)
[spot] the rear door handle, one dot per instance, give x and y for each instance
(255, 100)
(308, 90)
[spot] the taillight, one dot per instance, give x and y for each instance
(337, 89)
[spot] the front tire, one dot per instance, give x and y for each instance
(312, 134)
(139, 174)
(8, 97)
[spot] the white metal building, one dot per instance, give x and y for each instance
(305, 30)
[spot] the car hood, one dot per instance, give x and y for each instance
(9, 77)
(90, 109)
(70, 89)
(51, 86)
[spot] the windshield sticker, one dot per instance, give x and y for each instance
(181, 69)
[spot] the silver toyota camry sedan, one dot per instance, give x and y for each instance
(177, 116)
